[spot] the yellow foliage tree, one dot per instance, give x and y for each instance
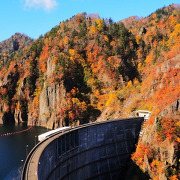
(106, 38)
(100, 24)
(111, 100)
(92, 30)
(174, 35)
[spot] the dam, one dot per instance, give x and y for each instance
(98, 150)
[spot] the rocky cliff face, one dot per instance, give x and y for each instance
(86, 69)
(48, 103)
(161, 154)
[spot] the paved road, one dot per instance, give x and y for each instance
(32, 164)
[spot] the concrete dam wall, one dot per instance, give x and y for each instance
(92, 151)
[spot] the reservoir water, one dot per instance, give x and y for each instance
(14, 148)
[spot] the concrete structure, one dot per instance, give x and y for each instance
(91, 151)
(143, 113)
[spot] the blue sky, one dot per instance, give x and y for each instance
(36, 17)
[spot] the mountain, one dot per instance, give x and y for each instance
(158, 149)
(64, 77)
(11, 46)
(91, 69)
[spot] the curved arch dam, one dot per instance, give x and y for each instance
(92, 151)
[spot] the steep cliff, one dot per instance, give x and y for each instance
(157, 152)
(87, 68)
(10, 50)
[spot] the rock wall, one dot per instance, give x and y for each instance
(49, 98)
(163, 157)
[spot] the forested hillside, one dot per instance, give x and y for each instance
(74, 73)
(87, 69)
(12, 46)
(158, 149)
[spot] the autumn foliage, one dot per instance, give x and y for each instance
(97, 69)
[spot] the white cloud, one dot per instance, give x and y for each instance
(45, 4)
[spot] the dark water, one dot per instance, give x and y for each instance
(14, 149)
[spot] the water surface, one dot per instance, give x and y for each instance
(14, 148)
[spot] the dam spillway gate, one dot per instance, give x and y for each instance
(91, 151)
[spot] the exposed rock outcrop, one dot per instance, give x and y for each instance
(163, 157)
(48, 102)
(172, 110)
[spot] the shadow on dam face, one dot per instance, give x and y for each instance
(95, 151)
